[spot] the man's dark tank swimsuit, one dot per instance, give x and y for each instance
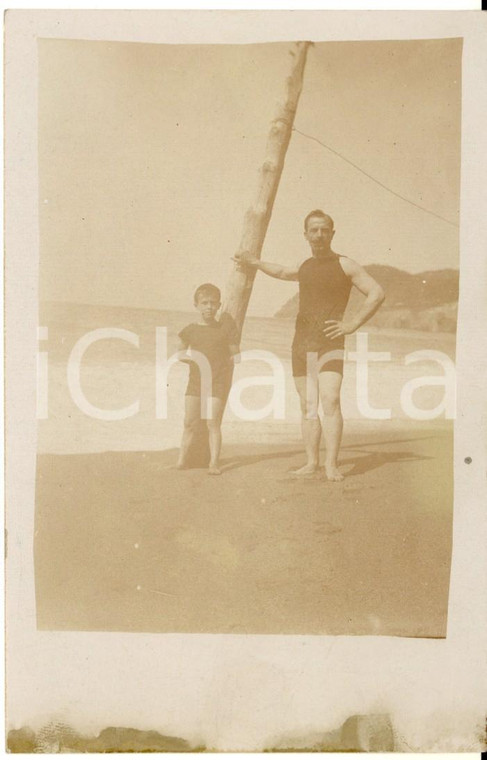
(324, 289)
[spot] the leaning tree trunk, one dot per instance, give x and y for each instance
(239, 286)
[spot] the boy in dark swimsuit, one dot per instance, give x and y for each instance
(211, 347)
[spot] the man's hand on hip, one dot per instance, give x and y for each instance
(336, 328)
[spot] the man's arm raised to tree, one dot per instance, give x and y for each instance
(374, 297)
(278, 271)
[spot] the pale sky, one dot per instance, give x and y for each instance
(149, 157)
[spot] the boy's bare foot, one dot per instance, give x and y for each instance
(307, 469)
(214, 470)
(177, 466)
(333, 473)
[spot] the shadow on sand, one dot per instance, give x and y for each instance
(370, 461)
(249, 459)
(365, 462)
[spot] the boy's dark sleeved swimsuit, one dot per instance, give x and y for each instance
(324, 289)
(214, 342)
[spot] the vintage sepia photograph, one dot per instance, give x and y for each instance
(248, 289)
(245, 400)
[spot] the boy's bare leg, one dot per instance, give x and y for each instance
(192, 415)
(330, 384)
(310, 426)
(214, 423)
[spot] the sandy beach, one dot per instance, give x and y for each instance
(125, 543)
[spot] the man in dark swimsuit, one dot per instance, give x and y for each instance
(325, 281)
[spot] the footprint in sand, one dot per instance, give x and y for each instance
(326, 529)
(216, 549)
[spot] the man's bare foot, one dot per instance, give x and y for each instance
(333, 473)
(307, 469)
(214, 470)
(177, 466)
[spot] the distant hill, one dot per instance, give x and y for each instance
(424, 301)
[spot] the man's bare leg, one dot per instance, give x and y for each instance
(214, 423)
(330, 385)
(192, 416)
(310, 426)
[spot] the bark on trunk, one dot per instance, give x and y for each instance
(239, 285)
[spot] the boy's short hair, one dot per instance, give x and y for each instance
(207, 289)
(320, 214)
